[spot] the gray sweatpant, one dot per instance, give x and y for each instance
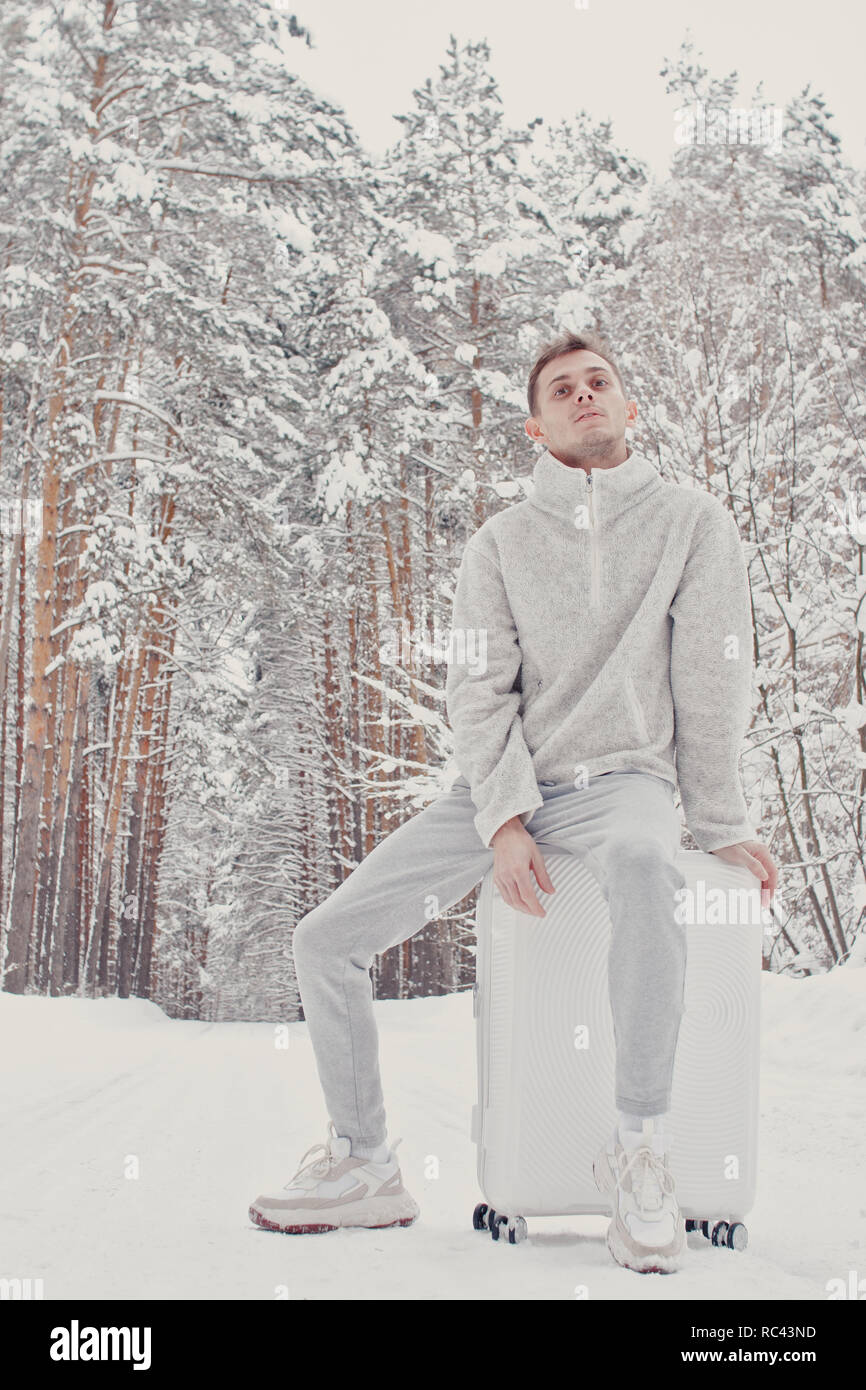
(625, 827)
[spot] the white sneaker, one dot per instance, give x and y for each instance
(647, 1232)
(337, 1189)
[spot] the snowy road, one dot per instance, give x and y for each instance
(209, 1115)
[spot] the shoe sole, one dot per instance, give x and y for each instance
(645, 1260)
(649, 1263)
(313, 1230)
(314, 1226)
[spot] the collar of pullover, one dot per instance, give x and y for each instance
(559, 488)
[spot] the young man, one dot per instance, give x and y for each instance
(599, 627)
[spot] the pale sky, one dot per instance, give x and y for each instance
(551, 58)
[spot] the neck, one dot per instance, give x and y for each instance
(620, 453)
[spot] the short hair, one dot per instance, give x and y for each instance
(569, 342)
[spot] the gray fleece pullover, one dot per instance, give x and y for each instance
(603, 623)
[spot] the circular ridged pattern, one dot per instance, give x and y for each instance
(550, 1104)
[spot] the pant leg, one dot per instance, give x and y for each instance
(627, 829)
(417, 872)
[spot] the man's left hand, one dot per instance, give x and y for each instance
(757, 858)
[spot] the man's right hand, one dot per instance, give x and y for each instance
(515, 854)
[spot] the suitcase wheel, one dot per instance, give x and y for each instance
(733, 1235)
(517, 1230)
(515, 1225)
(738, 1236)
(479, 1216)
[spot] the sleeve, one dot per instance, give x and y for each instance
(711, 681)
(482, 705)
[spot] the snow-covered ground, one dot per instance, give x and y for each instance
(209, 1115)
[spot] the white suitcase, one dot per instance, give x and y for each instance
(546, 1056)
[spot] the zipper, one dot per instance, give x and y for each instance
(593, 544)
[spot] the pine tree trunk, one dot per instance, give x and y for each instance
(126, 719)
(22, 896)
(16, 579)
(147, 964)
(67, 899)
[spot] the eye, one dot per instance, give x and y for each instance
(598, 379)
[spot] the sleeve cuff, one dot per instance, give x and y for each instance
(488, 821)
(720, 838)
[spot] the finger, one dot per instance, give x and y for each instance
(774, 871)
(771, 878)
(526, 894)
(511, 895)
(764, 873)
(755, 865)
(542, 876)
(505, 893)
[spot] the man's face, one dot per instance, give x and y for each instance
(581, 384)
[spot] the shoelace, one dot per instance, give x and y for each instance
(318, 1167)
(650, 1170)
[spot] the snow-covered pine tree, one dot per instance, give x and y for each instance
(142, 320)
(735, 329)
(588, 196)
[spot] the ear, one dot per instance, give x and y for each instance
(533, 429)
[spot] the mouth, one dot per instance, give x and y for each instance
(587, 415)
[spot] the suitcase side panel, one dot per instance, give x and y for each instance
(546, 1048)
